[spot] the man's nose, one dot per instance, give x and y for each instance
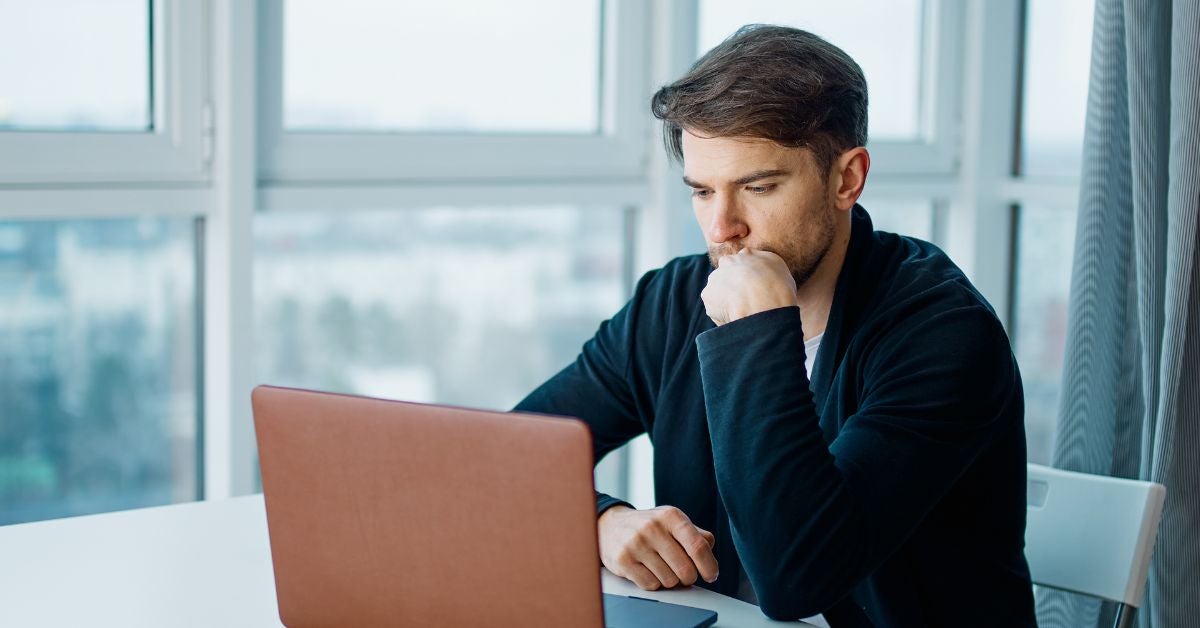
(726, 223)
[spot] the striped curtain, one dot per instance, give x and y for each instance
(1130, 402)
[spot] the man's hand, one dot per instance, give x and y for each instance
(655, 548)
(748, 282)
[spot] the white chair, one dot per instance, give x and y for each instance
(1092, 534)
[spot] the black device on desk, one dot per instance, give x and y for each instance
(628, 611)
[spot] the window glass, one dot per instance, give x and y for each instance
(883, 37)
(98, 366)
(513, 66)
(1058, 45)
(1043, 284)
(469, 306)
(75, 65)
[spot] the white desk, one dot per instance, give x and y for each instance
(202, 564)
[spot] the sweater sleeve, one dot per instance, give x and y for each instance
(811, 520)
(600, 387)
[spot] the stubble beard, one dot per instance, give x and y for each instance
(801, 263)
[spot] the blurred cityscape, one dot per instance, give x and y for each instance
(98, 344)
(97, 366)
(468, 306)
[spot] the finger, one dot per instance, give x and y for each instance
(699, 548)
(639, 575)
(695, 543)
(679, 561)
(659, 568)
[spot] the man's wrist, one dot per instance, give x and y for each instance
(610, 509)
(756, 311)
(760, 307)
(604, 502)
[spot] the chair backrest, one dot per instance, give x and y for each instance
(1091, 534)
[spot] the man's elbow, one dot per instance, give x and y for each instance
(788, 606)
(800, 594)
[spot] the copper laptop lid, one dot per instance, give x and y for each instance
(390, 513)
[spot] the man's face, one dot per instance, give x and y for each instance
(753, 193)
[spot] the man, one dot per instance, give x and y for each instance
(836, 413)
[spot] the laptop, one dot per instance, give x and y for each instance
(384, 513)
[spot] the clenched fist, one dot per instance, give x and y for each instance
(655, 548)
(746, 283)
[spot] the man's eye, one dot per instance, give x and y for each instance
(760, 189)
(699, 193)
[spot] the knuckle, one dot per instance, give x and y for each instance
(647, 530)
(690, 571)
(697, 546)
(686, 573)
(668, 513)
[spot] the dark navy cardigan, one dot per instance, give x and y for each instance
(889, 491)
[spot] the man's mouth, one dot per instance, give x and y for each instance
(727, 249)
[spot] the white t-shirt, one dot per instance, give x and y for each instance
(745, 591)
(810, 352)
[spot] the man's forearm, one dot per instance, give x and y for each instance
(787, 501)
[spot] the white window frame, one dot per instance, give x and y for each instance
(173, 151)
(230, 449)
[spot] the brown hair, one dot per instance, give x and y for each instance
(772, 82)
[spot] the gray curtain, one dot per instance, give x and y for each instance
(1130, 402)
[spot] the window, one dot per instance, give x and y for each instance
(477, 114)
(473, 306)
(387, 191)
(82, 65)
(1043, 282)
(102, 215)
(366, 65)
(101, 92)
(1058, 48)
(480, 91)
(98, 366)
(1053, 108)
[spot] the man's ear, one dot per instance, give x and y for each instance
(848, 175)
